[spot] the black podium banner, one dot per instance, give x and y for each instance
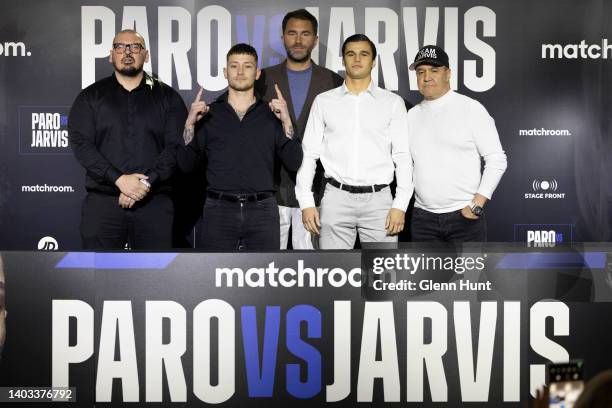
(416, 327)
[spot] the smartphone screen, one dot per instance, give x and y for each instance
(565, 383)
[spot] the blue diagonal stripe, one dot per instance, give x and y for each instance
(86, 260)
(539, 260)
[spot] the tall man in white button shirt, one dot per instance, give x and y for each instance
(449, 133)
(358, 131)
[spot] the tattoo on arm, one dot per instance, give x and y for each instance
(188, 135)
(289, 131)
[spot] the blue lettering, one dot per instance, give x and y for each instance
(303, 350)
(260, 379)
(242, 33)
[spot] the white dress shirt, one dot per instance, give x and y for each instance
(360, 139)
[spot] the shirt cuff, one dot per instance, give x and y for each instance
(306, 202)
(486, 194)
(400, 203)
(153, 177)
(112, 174)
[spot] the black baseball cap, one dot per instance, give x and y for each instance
(431, 55)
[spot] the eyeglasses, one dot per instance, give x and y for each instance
(135, 48)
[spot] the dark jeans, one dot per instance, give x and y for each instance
(147, 225)
(230, 226)
(447, 227)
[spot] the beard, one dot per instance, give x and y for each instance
(297, 56)
(129, 70)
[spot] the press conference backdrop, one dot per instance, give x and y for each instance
(540, 68)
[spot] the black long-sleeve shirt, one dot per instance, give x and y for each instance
(114, 131)
(240, 154)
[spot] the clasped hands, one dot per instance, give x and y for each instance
(132, 189)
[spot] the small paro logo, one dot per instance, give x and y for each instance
(48, 244)
(543, 238)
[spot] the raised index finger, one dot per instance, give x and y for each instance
(199, 95)
(279, 94)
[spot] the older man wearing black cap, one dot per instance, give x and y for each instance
(449, 133)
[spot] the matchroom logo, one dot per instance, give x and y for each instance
(582, 50)
(43, 130)
(46, 188)
(13, 49)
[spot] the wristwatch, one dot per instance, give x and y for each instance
(476, 209)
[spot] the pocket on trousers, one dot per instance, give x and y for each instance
(469, 220)
(417, 213)
(211, 203)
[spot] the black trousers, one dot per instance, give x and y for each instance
(426, 226)
(230, 226)
(147, 225)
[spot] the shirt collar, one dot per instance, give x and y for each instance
(372, 89)
(312, 65)
(441, 101)
(223, 97)
(146, 80)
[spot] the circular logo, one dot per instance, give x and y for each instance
(48, 244)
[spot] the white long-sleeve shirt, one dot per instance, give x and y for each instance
(360, 139)
(448, 136)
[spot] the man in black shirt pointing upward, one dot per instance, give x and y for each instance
(241, 136)
(124, 130)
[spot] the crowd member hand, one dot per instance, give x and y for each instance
(541, 399)
(310, 219)
(279, 107)
(199, 108)
(125, 201)
(394, 223)
(131, 186)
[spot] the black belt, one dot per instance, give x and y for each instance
(356, 189)
(239, 198)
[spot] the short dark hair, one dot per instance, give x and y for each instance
(358, 38)
(242, 48)
(301, 14)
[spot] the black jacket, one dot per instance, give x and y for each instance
(113, 131)
(240, 155)
(322, 80)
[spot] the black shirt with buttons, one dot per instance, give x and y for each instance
(240, 154)
(114, 131)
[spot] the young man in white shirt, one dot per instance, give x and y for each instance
(449, 133)
(358, 131)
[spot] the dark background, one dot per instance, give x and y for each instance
(529, 92)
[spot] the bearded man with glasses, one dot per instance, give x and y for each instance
(124, 130)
